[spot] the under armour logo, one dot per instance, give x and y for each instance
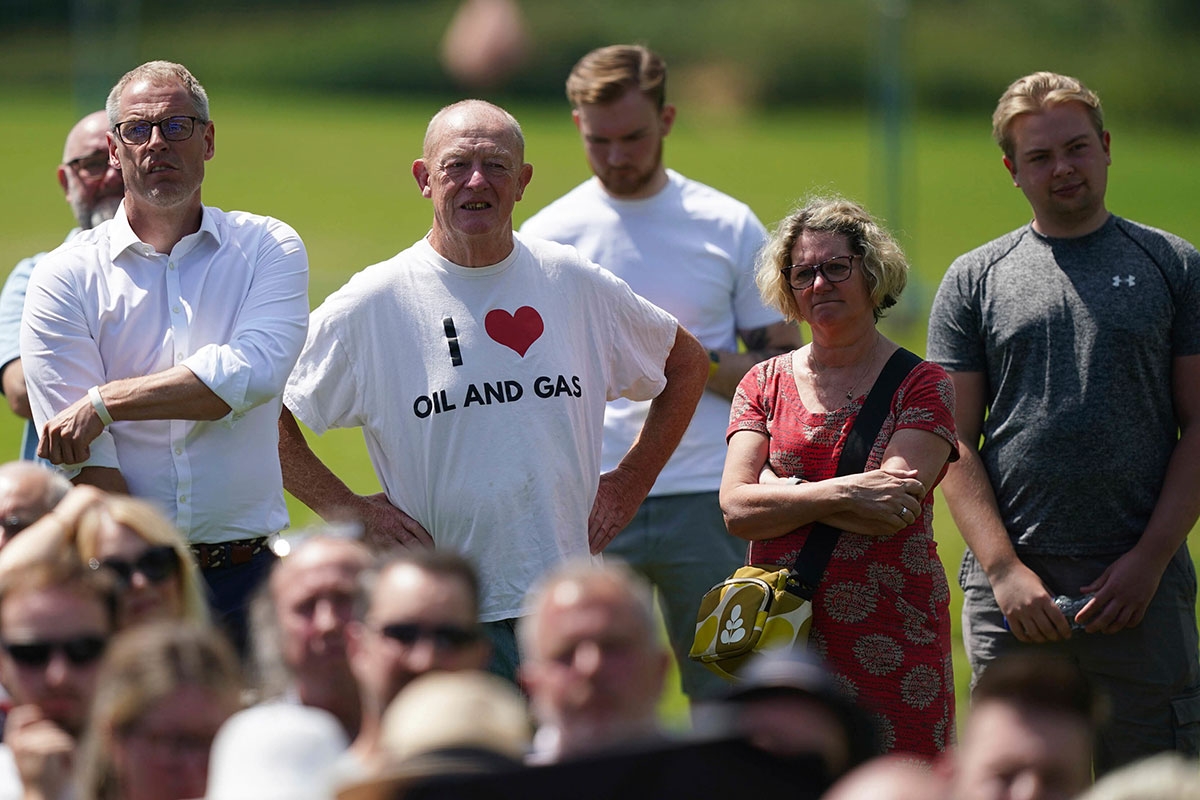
(1118, 280)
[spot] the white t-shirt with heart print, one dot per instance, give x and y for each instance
(481, 395)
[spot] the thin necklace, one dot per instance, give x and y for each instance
(861, 375)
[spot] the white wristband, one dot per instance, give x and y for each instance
(98, 404)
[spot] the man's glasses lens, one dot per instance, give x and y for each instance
(93, 166)
(444, 637)
(156, 565)
(174, 129)
(835, 270)
(79, 651)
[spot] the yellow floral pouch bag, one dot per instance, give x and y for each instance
(751, 611)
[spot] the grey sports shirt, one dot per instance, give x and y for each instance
(1076, 338)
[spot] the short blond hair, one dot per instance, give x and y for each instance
(606, 74)
(1035, 93)
(883, 262)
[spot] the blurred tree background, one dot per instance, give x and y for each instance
(1144, 55)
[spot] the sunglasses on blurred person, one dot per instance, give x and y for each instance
(445, 638)
(79, 650)
(155, 565)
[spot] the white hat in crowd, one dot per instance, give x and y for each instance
(275, 751)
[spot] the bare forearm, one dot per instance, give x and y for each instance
(731, 368)
(14, 389)
(174, 393)
(305, 476)
(1178, 504)
(106, 478)
(670, 413)
(761, 344)
(768, 510)
(973, 506)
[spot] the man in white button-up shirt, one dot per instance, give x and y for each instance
(156, 345)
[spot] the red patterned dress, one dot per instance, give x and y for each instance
(881, 617)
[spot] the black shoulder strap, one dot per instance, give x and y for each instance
(818, 547)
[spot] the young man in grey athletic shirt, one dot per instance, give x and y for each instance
(1074, 347)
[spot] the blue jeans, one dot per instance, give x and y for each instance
(230, 589)
(506, 658)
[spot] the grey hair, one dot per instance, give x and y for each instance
(432, 130)
(158, 73)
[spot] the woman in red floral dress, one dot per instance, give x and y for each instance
(881, 612)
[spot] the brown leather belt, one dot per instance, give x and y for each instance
(228, 554)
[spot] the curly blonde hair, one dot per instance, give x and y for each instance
(883, 262)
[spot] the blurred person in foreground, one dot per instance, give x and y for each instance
(1166, 776)
(591, 661)
(1074, 346)
(162, 693)
(891, 777)
(418, 613)
(299, 622)
(881, 618)
(643, 221)
(276, 751)
(130, 541)
(512, 347)
(27, 493)
(446, 725)
(156, 345)
(788, 706)
(56, 618)
(93, 190)
(151, 563)
(1029, 734)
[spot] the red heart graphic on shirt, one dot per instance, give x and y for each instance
(515, 331)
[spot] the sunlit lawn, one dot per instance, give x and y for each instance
(339, 171)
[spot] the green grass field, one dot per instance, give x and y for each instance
(338, 170)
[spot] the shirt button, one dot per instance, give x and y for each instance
(183, 498)
(178, 451)
(179, 356)
(176, 309)
(170, 265)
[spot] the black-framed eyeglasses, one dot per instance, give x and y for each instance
(79, 650)
(444, 637)
(155, 565)
(174, 129)
(835, 270)
(91, 166)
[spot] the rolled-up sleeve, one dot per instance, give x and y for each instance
(252, 367)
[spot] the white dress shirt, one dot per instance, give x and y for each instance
(230, 303)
